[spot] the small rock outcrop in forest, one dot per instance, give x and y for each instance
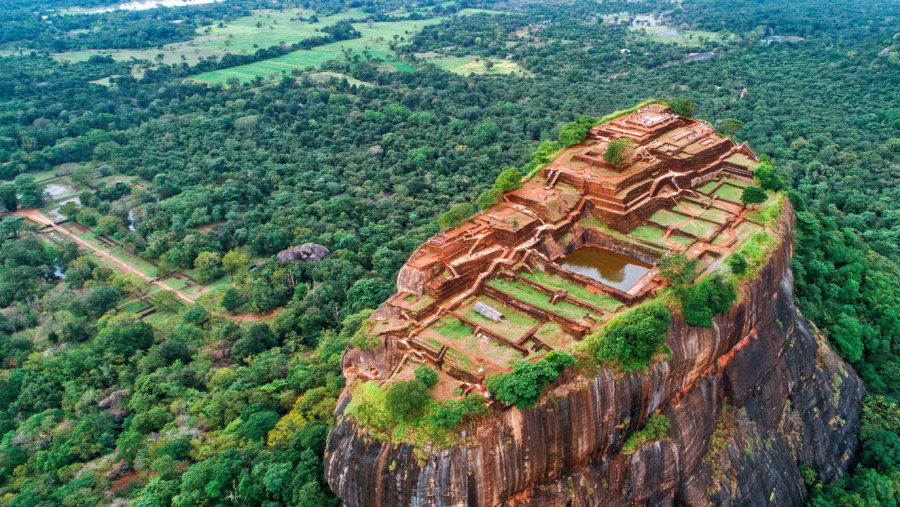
(307, 252)
(737, 402)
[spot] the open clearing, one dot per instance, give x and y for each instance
(267, 27)
(473, 65)
(374, 42)
(666, 34)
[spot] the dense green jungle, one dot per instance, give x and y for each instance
(217, 385)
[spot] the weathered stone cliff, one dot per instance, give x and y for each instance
(751, 401)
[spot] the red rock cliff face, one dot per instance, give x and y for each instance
(749, 400)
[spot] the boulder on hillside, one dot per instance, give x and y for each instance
(307, 252)
(111, 403)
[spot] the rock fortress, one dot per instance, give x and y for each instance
(574, 246)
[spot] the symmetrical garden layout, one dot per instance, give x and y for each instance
(560, 256)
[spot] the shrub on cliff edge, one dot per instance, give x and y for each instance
(632, 339)
(575, 132)
(509, 179)
(456, 216)
(523, 385)
(702, 301)
(406, 400)
(451, 413)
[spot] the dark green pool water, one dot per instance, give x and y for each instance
(605, 266)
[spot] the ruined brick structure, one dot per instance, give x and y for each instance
(761, 369)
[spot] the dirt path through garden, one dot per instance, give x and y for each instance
(35, 215)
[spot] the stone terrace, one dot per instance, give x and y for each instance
(675, 191)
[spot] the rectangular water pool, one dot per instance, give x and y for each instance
(610, 268)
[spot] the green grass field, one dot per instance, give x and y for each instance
(649, 234)
(698, 228)
(452, 332)
(552, 334)
(709, 187)
(375, 42)
(472, 65)
(729, 193)
(266, 28)
(239, 36)
(694, 209)
(515, 325)
(176, 283)
(687, 38)
(451, 328)
(529, 295)
(576, 291)
(667, 218)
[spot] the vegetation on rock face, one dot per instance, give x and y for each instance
(365, 169)
(406, 400)
(654, 429)
(575, 132)
(737, 263)
(451, 413)
(404, 412)
(632, 339)
(767, 177)
(677, 269)
(508, 180)
(684, 107)
(702, 301)
(523, 385)
(456, 216)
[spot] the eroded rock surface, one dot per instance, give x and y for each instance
(749, 400)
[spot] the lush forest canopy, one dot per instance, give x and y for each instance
(196, 406)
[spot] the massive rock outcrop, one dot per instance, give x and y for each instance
(751, 401)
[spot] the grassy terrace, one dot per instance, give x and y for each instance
(552, 334)
(649, 234)
(729, 192)
(512, 328)
(491, 354)
(709, 187)
(576, 291)
(451, 328)
(716, 215)
(529, 295)
(698, 228)
(690, 206)
(667, 218)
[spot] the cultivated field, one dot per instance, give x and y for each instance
(473, 65)
(374, 42)
(666, 34)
